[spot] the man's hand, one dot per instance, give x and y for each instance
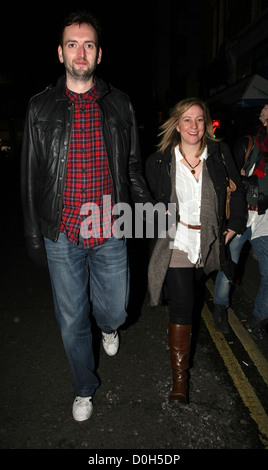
(37, 252)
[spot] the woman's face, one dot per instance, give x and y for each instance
(192, 125)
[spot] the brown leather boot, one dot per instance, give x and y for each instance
(179, 337)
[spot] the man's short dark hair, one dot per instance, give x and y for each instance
(80, 17)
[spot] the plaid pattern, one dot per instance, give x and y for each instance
(262, 144)
(87, 178)
(262, 140)
(260, 167)
(252, 207)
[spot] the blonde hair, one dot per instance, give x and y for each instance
(169, 133)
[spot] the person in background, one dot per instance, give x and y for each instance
(189, 171)
(254, 171)
(81, 144)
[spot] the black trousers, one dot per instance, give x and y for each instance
(186, 290)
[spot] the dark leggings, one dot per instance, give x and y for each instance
(184, 288)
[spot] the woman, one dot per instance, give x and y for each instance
(190, 169)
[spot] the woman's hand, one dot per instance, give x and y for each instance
(229, 234)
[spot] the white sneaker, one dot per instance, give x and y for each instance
(82, 408)
(110, 342)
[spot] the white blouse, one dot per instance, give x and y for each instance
(188, 191)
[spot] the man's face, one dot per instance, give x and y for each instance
(80, 53)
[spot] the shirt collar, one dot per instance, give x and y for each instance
(92, 94)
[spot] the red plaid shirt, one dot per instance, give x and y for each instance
(88, 177)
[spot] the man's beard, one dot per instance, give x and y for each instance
(82, 75)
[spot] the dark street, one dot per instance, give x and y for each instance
(158, 56)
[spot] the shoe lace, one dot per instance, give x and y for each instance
(83, 401)
(109, 337)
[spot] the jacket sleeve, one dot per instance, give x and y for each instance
(238, 211)
(30, 181)
(157, 172)
(151, 176)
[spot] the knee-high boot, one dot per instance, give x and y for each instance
(179, 337)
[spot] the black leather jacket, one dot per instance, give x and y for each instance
(45, 151)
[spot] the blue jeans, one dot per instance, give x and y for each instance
(222, 285)
(80, 278)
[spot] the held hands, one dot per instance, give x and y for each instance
(229, 234)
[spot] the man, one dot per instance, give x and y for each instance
(80, 146)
